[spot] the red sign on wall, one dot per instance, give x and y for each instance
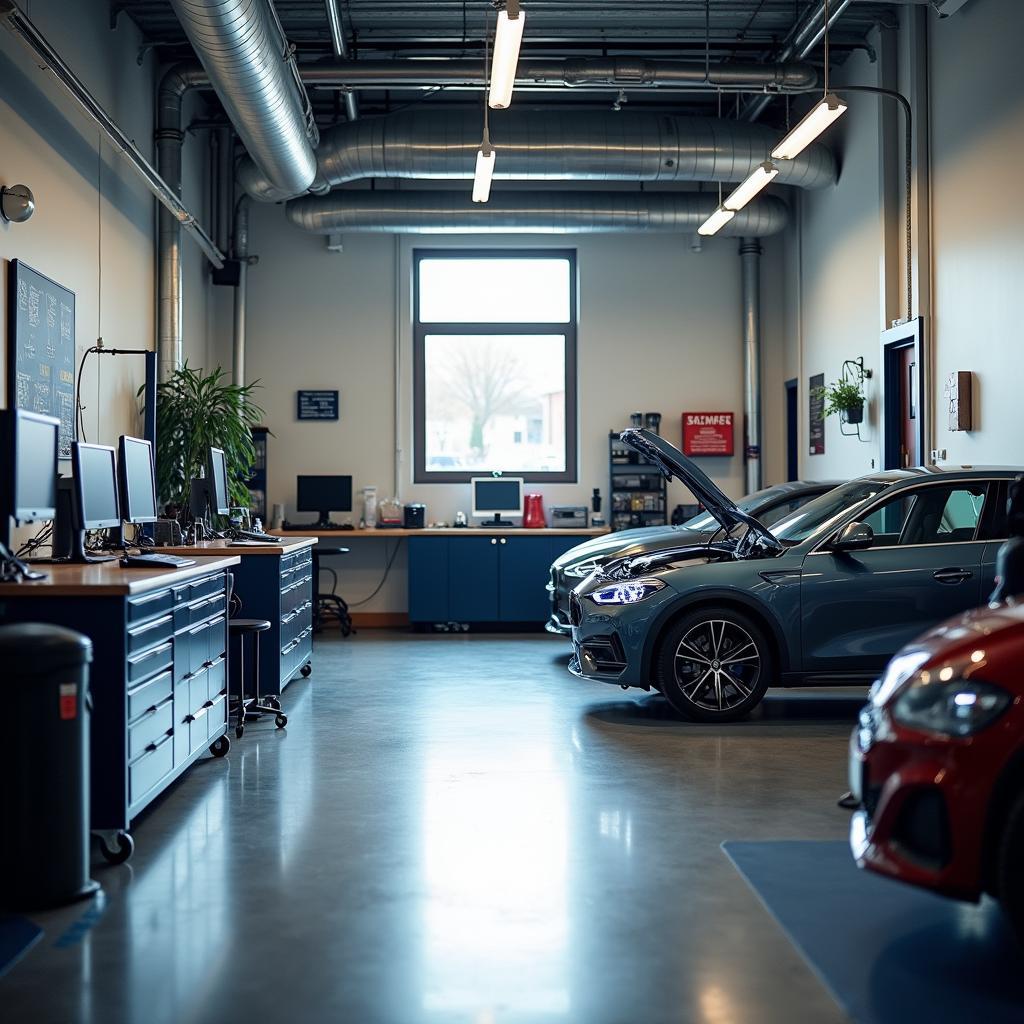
(707, 433)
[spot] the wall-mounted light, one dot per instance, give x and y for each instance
(760, 177)
(716, 221)
(484, 172)
(17, 203)
(822, 114)
(508, 37)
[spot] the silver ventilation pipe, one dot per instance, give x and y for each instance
(241, 253)
(553, 145)
(422, 212)
(804, 38)
(341, 50)
(252, 69)
(750, 258)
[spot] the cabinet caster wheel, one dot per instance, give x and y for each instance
(306, 671)
(274, 703)
(281, 721)
(239, 731)
(220, 746)
(123, 849)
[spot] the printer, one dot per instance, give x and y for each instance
(569, 517)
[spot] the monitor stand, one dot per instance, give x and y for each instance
(79, 556)
(497, 521)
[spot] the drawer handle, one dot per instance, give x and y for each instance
(150, 747)
(502, 540)
(208, 704)
(494, 540)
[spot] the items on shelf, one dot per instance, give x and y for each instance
(638, 490)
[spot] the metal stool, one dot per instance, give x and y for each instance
(327, 607)
(250, 707)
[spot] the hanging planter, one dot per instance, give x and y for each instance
(845, 399)
(854, 414)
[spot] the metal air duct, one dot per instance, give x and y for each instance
(250, 66)
(750, 257)
(423, 212)
(552, 145)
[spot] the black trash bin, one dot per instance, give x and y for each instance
(44, 766)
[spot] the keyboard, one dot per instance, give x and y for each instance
(155, 561)
(299, 527)
(264, 538)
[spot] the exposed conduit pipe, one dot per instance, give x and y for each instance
(423, 212)
(750, 258)
(341, 50)
(241, 253)
(553, 145)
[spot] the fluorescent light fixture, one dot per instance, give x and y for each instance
(716, 221)
(484, 173)
(508, 37)
(822, 114)
(761, 176)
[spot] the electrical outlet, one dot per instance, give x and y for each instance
(938, 455)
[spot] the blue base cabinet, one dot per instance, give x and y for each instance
(473, 578)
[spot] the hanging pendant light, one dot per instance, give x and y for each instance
(484, 172)
(508, 37)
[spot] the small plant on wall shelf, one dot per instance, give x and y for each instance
(845, 398)
(195, 411)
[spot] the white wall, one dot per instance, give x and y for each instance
(659, 329)
(89, 202)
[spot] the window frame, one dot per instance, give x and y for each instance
(420, 331)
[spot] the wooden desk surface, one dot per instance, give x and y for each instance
(448, 531)
(288, 544)
(106, 579)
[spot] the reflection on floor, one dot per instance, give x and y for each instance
(455, 829)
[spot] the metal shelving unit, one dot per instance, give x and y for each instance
(638, 490)
(257, 483)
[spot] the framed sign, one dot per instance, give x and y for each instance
(41, 353)
(816, 412)
(317, 405)
(707, 433)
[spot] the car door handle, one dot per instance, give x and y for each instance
(952, 576)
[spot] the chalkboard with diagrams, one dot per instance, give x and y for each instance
(41, 348)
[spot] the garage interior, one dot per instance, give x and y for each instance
(430, 293)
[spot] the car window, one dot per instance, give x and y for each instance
(929, 515)
(769, 517)
(822, 513)
(995, 523)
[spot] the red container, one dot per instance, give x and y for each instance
(533, 511)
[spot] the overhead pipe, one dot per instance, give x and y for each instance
(252, 69)
(241, 253)
(804, 38)
(552, 145)
(423, 212)
(750, 259)
(340, 47)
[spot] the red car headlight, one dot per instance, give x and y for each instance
(949, 707)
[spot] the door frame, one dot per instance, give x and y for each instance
(909, 334)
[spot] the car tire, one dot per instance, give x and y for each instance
(714, 665)
(1009, 869)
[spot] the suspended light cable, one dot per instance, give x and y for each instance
(484, 172)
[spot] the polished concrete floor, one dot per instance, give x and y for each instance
(454, 829)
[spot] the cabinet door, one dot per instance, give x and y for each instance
(473, 579)
(428, 579)
(525, 567)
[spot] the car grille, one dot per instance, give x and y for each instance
(575, 610)
(606, 653)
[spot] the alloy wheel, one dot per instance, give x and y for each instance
(717, 664)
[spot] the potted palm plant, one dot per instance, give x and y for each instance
(195, 411)
(845, 398)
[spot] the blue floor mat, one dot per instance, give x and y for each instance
(887, 952)
(17, 936)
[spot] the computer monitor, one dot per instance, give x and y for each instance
(28, 478)
(217, 477)
(497, 495)
(93, 501)
(323, 495)
(136, 480)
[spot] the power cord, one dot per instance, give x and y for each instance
(390, 561)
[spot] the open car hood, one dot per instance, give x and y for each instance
(673, 463)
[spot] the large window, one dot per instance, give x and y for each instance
(495, 364)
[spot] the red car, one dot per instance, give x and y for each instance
(937, 762)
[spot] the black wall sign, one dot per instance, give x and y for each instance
(41, 356)
(816, 402)
(317, 405)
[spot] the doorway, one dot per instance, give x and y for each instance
(792, 430)
(903, 397)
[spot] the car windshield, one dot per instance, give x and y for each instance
(706, 521)
(821, 513)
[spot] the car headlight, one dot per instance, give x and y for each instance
(950, 707)
(626, 592)
(897, 672)
(581, 570)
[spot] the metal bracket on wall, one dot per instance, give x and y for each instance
(854, 372)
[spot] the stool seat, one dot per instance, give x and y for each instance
(248, 625)
(321, 550)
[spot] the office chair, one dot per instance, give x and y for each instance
(329, 607)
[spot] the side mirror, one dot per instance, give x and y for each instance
(853, 537)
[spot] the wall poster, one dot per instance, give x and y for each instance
(816, 426)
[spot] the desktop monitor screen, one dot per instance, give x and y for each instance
(95, 468)
(217, 475)
(493, 495)
(136, 480)
(29, 488)
(323, 494)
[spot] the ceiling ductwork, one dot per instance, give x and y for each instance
(425, 212)
(243, 49)
(544, 145)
